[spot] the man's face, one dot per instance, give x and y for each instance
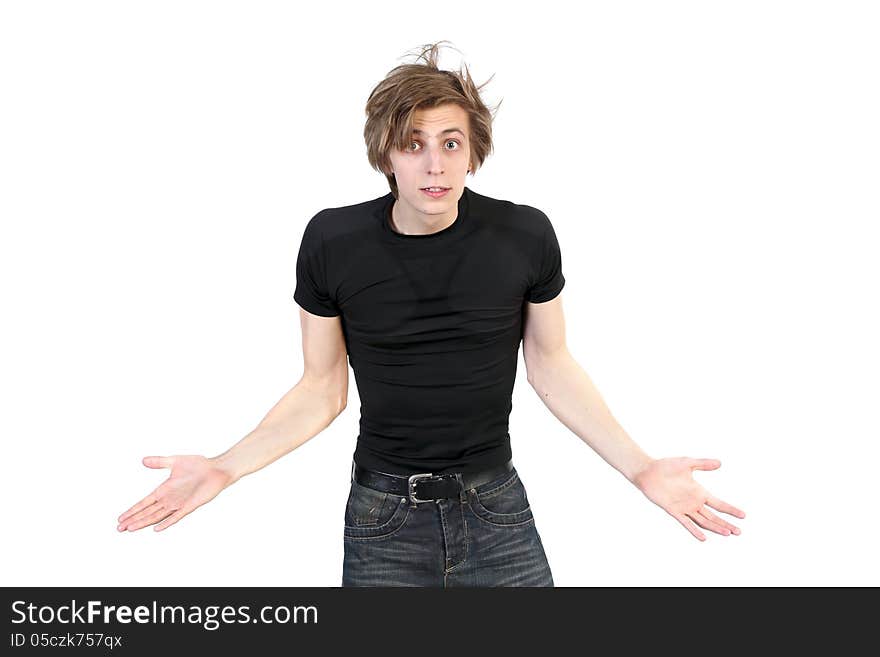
(437, 156)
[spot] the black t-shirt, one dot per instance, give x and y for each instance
(432, 324)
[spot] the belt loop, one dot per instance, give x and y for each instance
(462, 496)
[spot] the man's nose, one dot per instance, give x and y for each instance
(435, 160)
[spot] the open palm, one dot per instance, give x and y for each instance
(194, 480)
(669, 483)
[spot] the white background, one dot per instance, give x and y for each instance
(711, 170)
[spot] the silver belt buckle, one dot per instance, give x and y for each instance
(412, 480)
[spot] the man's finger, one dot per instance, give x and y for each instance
(720, 505)
(159, 514)
(705, 464)
(711, 516)
(690, 526)
(170, 520)
(140, 515)
(143, 504)
(709, 524)
(157, 461)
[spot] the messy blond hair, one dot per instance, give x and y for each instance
(393, 102)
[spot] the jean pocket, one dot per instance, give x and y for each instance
(371, 513)
(503, 502)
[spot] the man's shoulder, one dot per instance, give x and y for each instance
(518, 216)
(348, 219)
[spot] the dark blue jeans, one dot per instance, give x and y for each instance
(486, 537)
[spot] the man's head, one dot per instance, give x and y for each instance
(427, 127)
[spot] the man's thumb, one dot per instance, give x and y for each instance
(157, 461)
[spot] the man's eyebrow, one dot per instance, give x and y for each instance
(416, 131)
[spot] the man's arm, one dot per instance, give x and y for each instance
(568, 392)
(306, 410)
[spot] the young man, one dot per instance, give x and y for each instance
(427, 293)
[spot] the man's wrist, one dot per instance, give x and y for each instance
(634, 472)
(226, 463)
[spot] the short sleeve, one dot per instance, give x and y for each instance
(548, 280)
(311, 273)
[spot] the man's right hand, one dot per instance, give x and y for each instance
(194, 480)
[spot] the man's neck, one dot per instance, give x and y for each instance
(417, 227)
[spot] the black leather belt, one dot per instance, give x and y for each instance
(427, 487)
